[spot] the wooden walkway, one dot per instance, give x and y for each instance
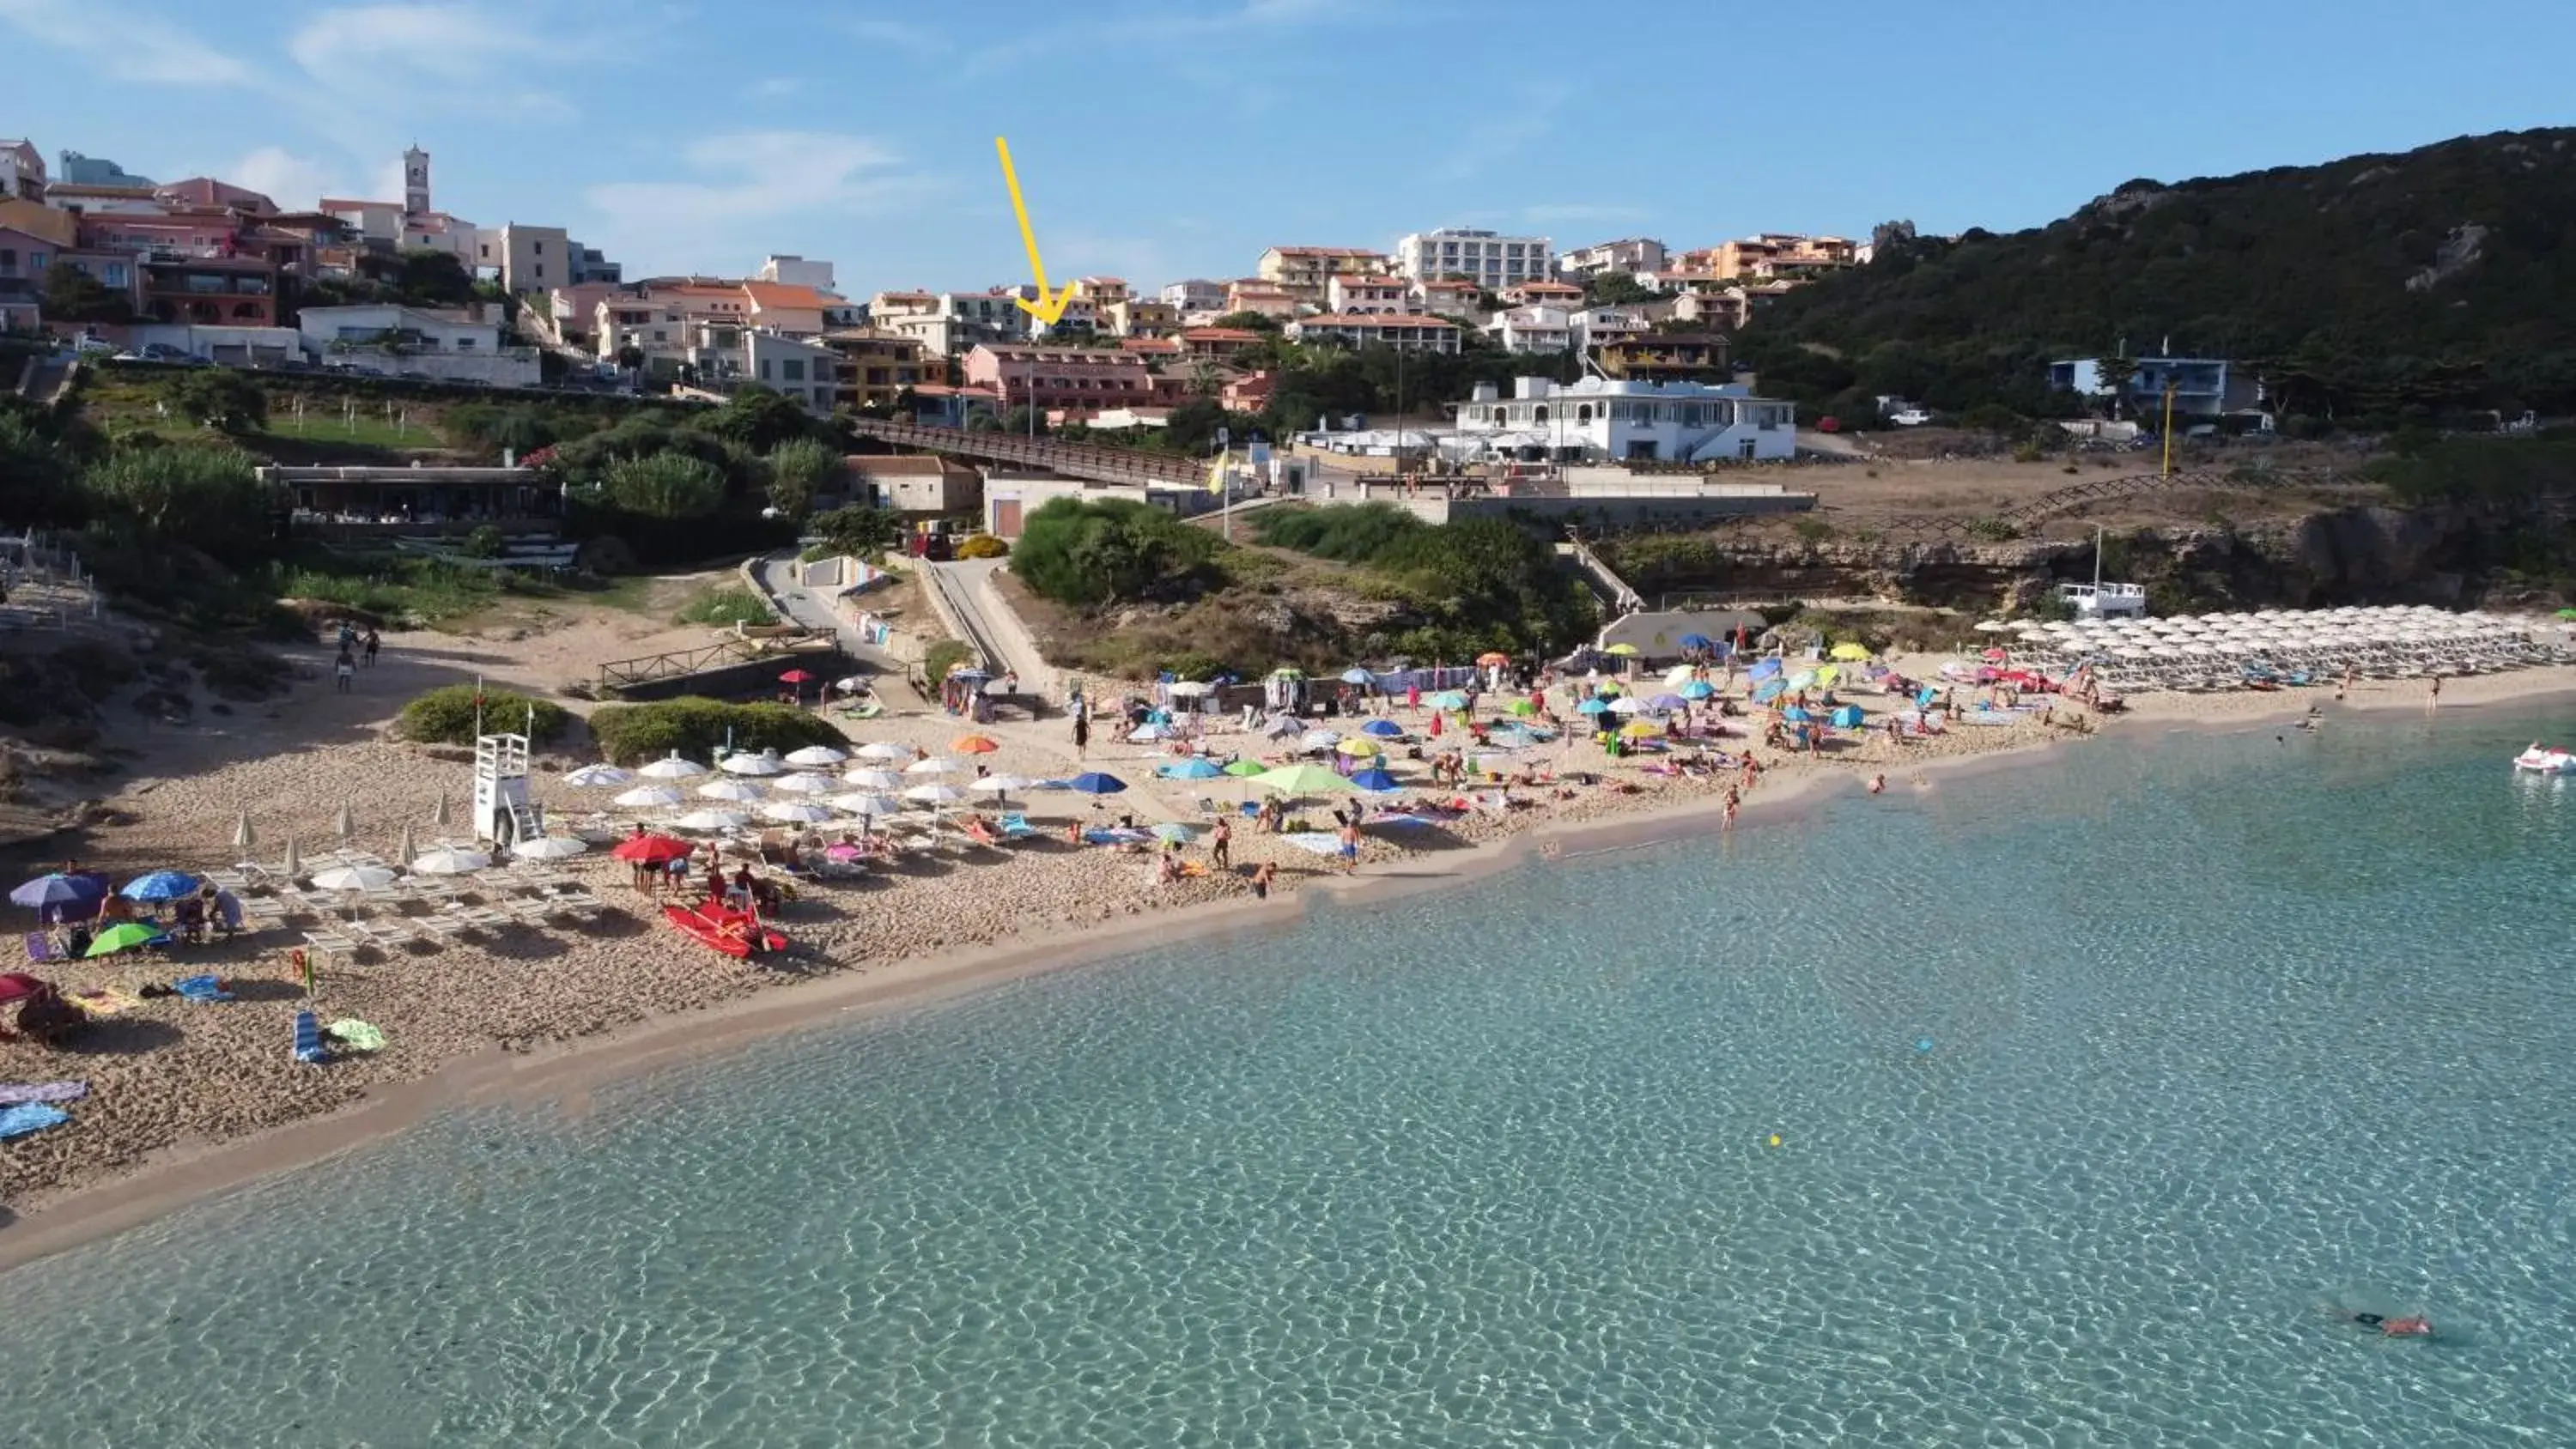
(677, 663)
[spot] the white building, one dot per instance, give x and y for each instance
(1596, 325)
(796, 271)
(1631, 255)
(1483, 257)
(1532, 329)
(525, 258)
(1600, 420)
(1403, 331)
(22, 171)
(1361, 293)
(1197, 294)
(449, 345)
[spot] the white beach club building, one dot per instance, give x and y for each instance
(1607, 420)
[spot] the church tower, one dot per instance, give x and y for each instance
(415, 182)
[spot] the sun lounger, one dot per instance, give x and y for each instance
(14, 1094)
(330, 943)
(1015, 826)
(29, 1117)
(982, 834)
(308, 1039)
(41, 948)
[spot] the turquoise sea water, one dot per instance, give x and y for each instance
(2093, 1083)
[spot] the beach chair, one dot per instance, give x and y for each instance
(982, 834)
(1015, 826)
(330, 944)
(41, 948)
(308, 1040)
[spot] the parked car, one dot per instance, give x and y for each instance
(93, 346)
(164, 352)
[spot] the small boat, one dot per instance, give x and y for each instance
(2541, 761)
(721, 927)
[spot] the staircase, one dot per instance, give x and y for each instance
(527, 822)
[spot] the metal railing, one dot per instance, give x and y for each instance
(1074, 460)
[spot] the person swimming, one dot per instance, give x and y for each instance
(2409, 1326)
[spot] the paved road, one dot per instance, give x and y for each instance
(998, 632)
(778, 575)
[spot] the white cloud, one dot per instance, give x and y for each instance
(757, 180)
(416, 55)
(125, 43)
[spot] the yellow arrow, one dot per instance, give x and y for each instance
(1046, 308)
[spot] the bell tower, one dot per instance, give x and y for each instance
(415, 182)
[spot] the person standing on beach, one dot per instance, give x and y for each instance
(1350, 845)
(1221, 845)
(1081, 732)
(344, 671)
(2433, 701)
(1261, 877)
(372, 645)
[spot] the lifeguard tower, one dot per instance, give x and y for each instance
(505, 809)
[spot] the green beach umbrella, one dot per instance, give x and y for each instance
(1246, 769)
(1302, 780)
(123, 936)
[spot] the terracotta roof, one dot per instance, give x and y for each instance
(1374, 319)
(1328, 251)
(782, 295)
(1443, 284)
(1150, 344)
(1219, 334)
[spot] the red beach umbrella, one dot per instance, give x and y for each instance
(796, 676)
(652, 849)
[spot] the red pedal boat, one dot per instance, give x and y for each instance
(735, 933)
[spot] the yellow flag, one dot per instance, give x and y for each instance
(1216, 473)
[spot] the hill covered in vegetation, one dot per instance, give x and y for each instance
(2376, 290)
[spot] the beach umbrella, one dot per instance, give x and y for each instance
(1358, 676)
(711, 820)
(1284, 672)
(740, 792)
(1795, 715)
(1849, 652)
(1174, 833)
(1384, 729)
(1697, 641)
(1375, 781)
(347, 823)
(934, 793)
(293, 865)
(1092, 782)
(887, 750)
(448, 860)
(795, 812)
(1627, 704)
(648, 797)
(1595, 705)
(1000, 785)
(744, 762)
(160, 885)
(873, 779)
(408, 848)
(1246, 769)
(651, 849)
(1847, 717)
(1523, 708)
(124, 936)
(1449, 701)
(597, 777)
(1302, 780)
(796, 676)
(244, 837)
(1768, 691)
(353, 878)
(933, 765)
(1281, 727)
(1826, 675)
(1666, 702)
(1623, 651)
(1361, 745)
(804, 785)
(549, 847)
(1699, 689)
(1197, 768)
(1993, 626)
(816, 757)
(1637, 729)
(1762, 669)
(858, 803)
(83, 890)
(1188, 689)
(973, 745)
(1492, 657)
(672, 768)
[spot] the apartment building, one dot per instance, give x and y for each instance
(1258, 294)
(22, 170)
(1596, 326)
(1449, 297)
(1076, 382)
(1630, 254)
(1197, 294)
(524, 258)
(1140, 317)
(875, 367)
(1532, 329)
(1624, 420)
(1666, 357)
(1364, 293)
(457, 345)
(795, 271)
(1542, 294)
(1101, 292)
(1302, 272)
(1403, 331)
(1489, 259)
(1772, 256)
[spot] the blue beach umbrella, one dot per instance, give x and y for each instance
(56, 890)
(1385, 729)
(1795, 715)
(1358, 676)
(1092, 782)
(1595, 705)
(1767, 692)
(1196, 768)
(1699, 689)
(160, 885)
(1665, 701)
(1763, 669)
(1848, 717)
(1450, 701)
(1696, 641)
(1376, 781)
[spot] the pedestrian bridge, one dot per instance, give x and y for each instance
(1072, 460)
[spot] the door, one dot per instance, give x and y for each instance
(1006, 518)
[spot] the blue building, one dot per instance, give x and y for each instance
(2203, 387)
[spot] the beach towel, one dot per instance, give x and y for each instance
(308, 1039)
(201, 989)
(356, 1035)
(30, 1117)
(13, 1093)
(1320, 842)
(102, 1002)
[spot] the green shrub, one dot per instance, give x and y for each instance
(858, 530)
(485, 542)
(664, 485)
(1361, 533)
(729, 606)
(448, 716)
(208, 498)
(982, 545)
(631, 734)
(798, 469)
(1085, 553)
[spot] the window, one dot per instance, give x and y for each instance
(793, 369)
(541, 249)
(464, 344)
(8, 261)
(764, 369)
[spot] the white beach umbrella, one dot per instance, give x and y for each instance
(598, 777)
(353, 878)
(1148, 734)
(1001, 784)
(1992, 626)
(815, 757)
(442, 817)
(934, 765)
(346, 825)
(711, 820)
(244, 837)
(1678, 675)
(293, 865)
(1318, 740)
(804, 785)
(448, 860)
(648, 797)
(887, 750)
(1188, 689)
(672, 768)
(795, 812)
(740, 792)
(861, 803)
(873, 779)
(934, 794)
(549, 847)
(404, 851)
(1627, 704)
(746, 763)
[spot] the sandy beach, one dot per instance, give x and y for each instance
(186, 1099)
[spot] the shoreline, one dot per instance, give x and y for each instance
(170, 1179)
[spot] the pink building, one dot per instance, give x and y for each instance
(1076, 381)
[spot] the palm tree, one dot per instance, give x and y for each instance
(2115, 375)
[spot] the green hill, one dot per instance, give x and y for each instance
(2374, 289)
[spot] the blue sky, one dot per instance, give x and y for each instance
(1159, 139)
